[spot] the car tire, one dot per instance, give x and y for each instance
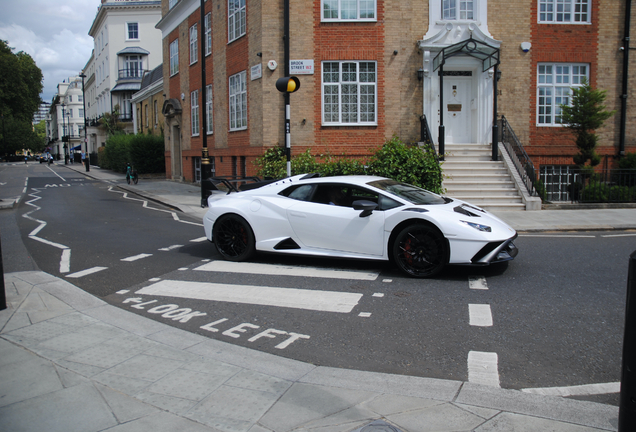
(233, 238)
(420, 250)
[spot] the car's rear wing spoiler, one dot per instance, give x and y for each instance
(231, 184)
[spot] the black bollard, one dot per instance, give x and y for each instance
(627, 404)
(3, 295)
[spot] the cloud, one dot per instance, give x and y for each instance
(54, 33)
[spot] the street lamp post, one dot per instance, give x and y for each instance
(65, 140)
(87, 160)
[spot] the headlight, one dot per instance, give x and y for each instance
(478, 227)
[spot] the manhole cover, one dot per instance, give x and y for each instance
(378, 426)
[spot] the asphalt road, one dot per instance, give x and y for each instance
(551, 318)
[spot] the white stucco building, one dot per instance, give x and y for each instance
(126, 44)
(66, 118)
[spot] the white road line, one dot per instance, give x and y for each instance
(480, 315)
(620, 235)
(327, 301)
(200, 239)
(65, 261)
(136, 257)
(477, 282)
(86, 272)
(483, 368)
(282, 270)
(557, 236)
(169, 248)
(175, 216)
(580, 390)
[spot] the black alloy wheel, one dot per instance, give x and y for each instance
(420, 250)
(233, 238)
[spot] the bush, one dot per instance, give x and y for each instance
(540, 188)
(395, 160)
(628, 161)
(145, 152)
(602, 192)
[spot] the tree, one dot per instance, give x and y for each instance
(586, 114)
(40, 141)
(20, 88)
(20, 84)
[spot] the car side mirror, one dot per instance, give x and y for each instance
(366, 206)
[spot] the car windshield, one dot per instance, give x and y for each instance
(408, 192)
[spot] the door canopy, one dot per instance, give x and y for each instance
(488, 55)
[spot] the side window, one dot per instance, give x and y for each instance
(386, 203)
(332, 194)
(300, 193)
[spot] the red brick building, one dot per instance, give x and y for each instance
(371, 69)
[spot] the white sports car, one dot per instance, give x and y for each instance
(356, 217)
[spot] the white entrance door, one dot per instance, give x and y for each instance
(457, 110)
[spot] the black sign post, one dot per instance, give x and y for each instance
(627, 405)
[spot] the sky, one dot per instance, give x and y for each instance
(53, 32)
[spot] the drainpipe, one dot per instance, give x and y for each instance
(205, 156)
(495, 126)
(621, 140)
(441, 130)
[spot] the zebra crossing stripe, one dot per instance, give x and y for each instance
(326, 301)
(283, 270)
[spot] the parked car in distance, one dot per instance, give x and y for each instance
(362, 217)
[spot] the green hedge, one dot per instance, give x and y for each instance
(143, 151)
(602, 192)
(395, 160)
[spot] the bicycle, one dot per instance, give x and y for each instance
(131, 174)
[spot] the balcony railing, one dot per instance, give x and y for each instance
(133, 74)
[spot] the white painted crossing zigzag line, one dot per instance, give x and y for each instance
(175, 216)
(65, 259)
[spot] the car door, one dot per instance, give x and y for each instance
(325, 224)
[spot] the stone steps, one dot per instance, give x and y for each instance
(470, 175)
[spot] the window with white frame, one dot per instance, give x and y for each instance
(238, 101)
(346, 10)
(208, 34)
(235, 19)
(133, 67)
(349, 91)
(564, 11)
(554, 84)
(458, 9)
(194, 112)
(133, 31)
(208, 108)
(174, 57)
(194, 44)
(156, 114)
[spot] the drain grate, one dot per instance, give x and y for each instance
(378, 426)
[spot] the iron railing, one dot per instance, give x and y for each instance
(425, 133)
(519, 157)
(569, 183)
(131, 73)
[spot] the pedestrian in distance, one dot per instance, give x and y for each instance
(83, 157)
